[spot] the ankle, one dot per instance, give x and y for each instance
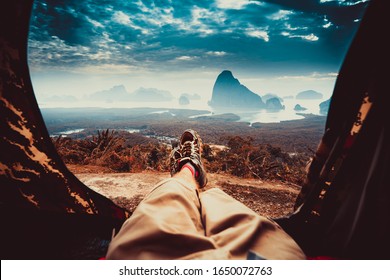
(187, 173)
(191, 168)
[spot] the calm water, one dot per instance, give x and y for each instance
(288, 113)
(265, 116)
(252, 116)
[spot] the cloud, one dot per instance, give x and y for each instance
(94, 22)
(122, 18)
(164, 35)
(309, 37)
(232, 4)
(186, 58)
(216, 53)
(310, 77)
(289, 27)
(204, 21)
(327, 25)
(261, 34)
(280, 15)
(345, 2)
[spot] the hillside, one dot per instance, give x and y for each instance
(261, 165)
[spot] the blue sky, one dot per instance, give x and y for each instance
(79, 47)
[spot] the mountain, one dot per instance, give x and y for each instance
(59, 99)
(309, 94)
(268, 96)
(151, 95)
(114, 94)
(183, 100)
(324, 107)
(194, 96)
(119, 94)
(228, 92)
(298, 107)
(186, 98)
(274, 104)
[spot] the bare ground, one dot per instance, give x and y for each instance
(271, 199)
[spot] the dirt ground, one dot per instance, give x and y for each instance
(271, 199)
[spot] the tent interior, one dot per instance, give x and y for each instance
(341, 212)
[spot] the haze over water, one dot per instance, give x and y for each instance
(250, 115)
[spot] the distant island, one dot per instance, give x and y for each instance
(298, 107)
(184, 100)
(269, 96)
(119, 93)
(229, 95)
(274, 104)
(309, 94)
(194, 96)
(324, 107)
(151, 95)
(228, 92)
(116, 93)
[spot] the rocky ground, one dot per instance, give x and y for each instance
(269, 198)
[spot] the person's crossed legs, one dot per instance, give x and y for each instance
(176, 220)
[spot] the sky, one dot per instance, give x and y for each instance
(78, 47)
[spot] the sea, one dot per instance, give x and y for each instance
(246, 115)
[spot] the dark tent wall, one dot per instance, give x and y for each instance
(45, 210)
(342, 211)
(344, 205)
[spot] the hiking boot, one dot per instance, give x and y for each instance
(174, 160)
(191, 149)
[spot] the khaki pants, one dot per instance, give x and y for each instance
(175, 222)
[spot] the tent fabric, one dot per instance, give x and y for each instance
(34, 182)
(343, 208)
